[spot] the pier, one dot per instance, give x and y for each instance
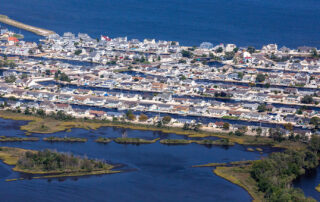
(39, 31)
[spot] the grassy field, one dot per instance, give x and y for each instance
(241, 176)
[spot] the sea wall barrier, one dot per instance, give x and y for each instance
(39, 31)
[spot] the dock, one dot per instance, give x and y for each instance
(39, 31)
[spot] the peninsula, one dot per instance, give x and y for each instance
(39, 31)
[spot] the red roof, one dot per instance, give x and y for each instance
(14, 39)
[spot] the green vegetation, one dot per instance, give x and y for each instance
(260, 78)
(175, 141)
(10, 79)
(7, 63)
(186, 54)
(61, 76)
(234, 163)
(78, 52)
(130, 116)
(251, 49)
(230, 117)
(307, 99)
(250, 149)
(241, 177)
(315, 121)
(51, 162)
(127, 140)
(275, 174)
(259, 149)
(219, 50)
(210, 165)
(262, 107)
(318, 188)
(103, 140)
(64, 139)
(222, 142)
(166, 120)
(143, 117)
(270, 179)
(47, 161)
(226, 126)
(17, 139)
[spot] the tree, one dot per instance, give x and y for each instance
(314, 53)
(41, 112)
(166, 120)
(186, 126)
(143, 117)
(226, 126)
(238, 133)
(10, 79)
(240, 75)
(260, 78)
(159, 124)
(276, 134)
(27, 111)
(130, 115)
(183, 77)
(288, 126)
(219, 50)
(315, 121)
(30, 51)
(315, 143)
(24, 76)
(78, 52)
(251, 49)
(262, 107)
(307, 99)
(259, 131)
(186, 54)
(229, 55)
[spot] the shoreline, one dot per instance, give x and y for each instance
(232, 174)
(36, 30)
(50, 125)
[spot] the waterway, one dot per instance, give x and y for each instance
(156, 172)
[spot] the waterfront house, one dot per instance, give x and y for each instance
(63, 107)
(164, 97)
(97, 114)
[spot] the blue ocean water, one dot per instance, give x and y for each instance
(244, 22)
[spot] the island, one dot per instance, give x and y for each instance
(17, 139)
(64, 139)
(47, 163)
(137, 141)
(103, 140)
